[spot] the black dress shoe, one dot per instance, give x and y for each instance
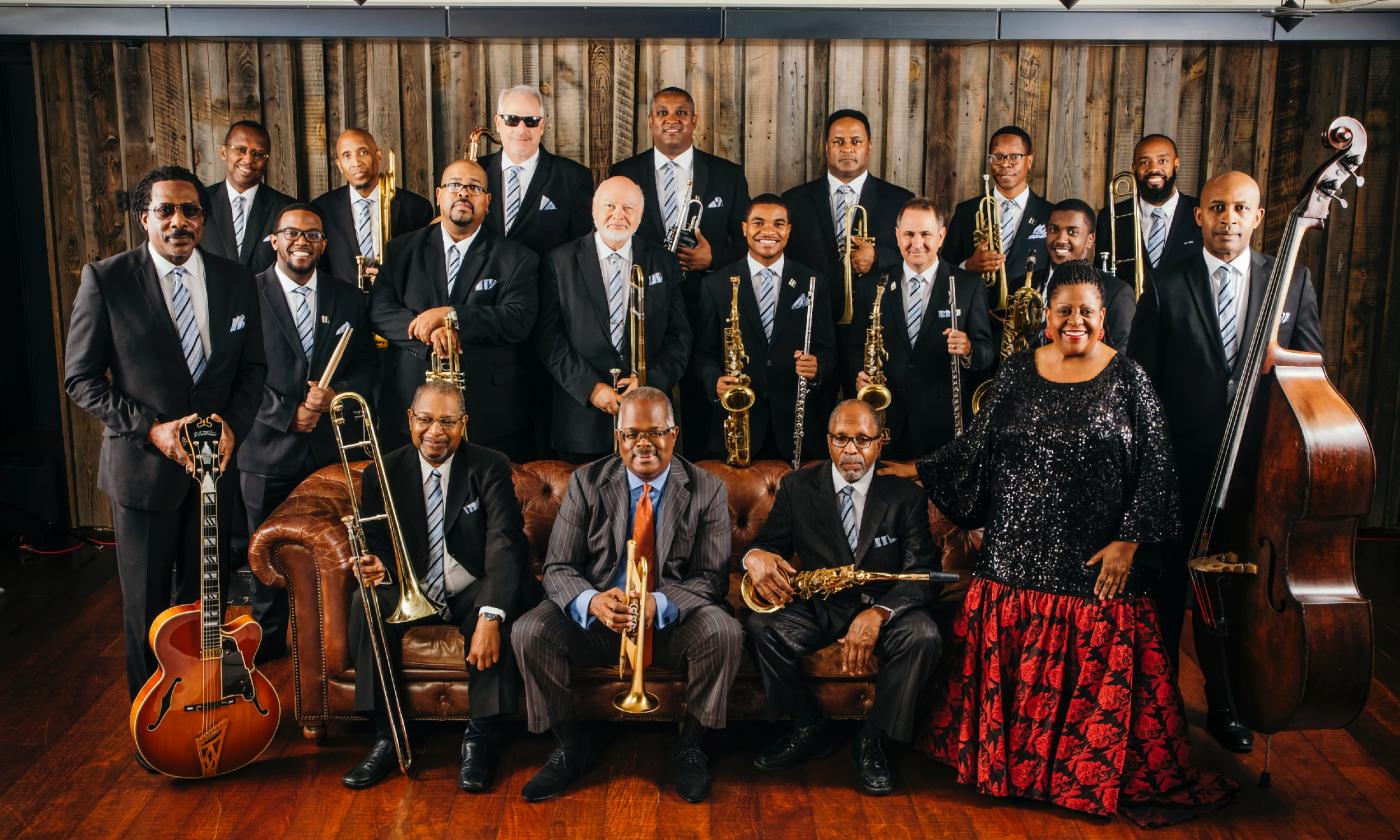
(144, 764)
(692, 774)
(561, 769)
(378, 764)
(1232, 735)
(478, 769)
(872, 768)
(800, 744)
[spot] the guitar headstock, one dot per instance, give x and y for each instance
(1347, 137)
(201, 437)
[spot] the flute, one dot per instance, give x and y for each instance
(800, 407)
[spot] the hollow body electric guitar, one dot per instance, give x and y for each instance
(206, 710)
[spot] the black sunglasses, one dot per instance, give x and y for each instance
(513, 120)
(189, 210)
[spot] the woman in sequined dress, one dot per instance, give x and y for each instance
(1061, 689)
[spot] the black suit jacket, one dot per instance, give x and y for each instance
(805, 522)
(261, 220)
(1183, 236)
(1117, 298)
(407, 212)
(556, 207)
(1176, 339)
(496, 297)
(813, 238)
(272, 448)
(574, 341)
(1030, 235)
(920, 416)
(482, 523)
(771, 366)
(124, 366)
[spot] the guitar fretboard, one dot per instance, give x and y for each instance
(210, 619)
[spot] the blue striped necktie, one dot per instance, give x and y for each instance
(766, 300)
(848, 515)
(240, 221)
(1225, 311)
(434, 584)
(1008, 223)
(185, 323)
(304, 327)
(843, 203)
(363, 231)
(617, 300)
(668, 193)
(454, 262)
(915, 318)
(1157, 238)
(513, 193)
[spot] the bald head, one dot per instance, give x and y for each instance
(617, 210)
(357, 156)
(462, 198)
(1229, 214)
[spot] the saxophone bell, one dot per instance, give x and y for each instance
(876, 392)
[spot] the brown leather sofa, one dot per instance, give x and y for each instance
(303, 547)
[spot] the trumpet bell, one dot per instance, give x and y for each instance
(877, 395)
(738, 398)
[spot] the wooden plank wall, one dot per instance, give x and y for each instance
(112, 110)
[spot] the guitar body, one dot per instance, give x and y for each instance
(183, 723)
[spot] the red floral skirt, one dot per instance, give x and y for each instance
(1069, 700)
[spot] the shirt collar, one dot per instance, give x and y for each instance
(462, 246)
(839, 482)
(445, 470)
(605, 251)
(1021, 198)
(1239, 264)
(250, 193)
(528, 163)
(194, 265)
(1145, 207)
(857, 183)
(289, 286)
(658, 484)
(777, 268)
(685, 160)
(928, 274)
(355, 196)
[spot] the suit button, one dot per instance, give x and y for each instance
(768, 363)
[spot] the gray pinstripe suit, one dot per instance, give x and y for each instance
(586, 551)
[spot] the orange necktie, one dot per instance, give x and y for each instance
(644, 533)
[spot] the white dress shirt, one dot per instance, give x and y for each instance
(249, 195)
(455, 577)
(373, 217)
(289, 289)
(925, 292)
(1240, 265)
(1145, 209)
(777, 268)
(605, 251)
(685, 173)
(527, 172)
(194, 284)
(447, 244)
(833, 184)
(862, 485)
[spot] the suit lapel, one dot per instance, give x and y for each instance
(655, 215)
(1259, 269)
(591, 273)
(328, 320)
(677, 502)
(341, 223)
(750, 315)
(457, 486)
(468, 273)
(413, 510)
(870, 519)
(893, 318)
(937, 302)
(1021, 245)
(700, 167)
(820, 197)
(218, 289)
(160, 316)
(617, 500)
(530, 201)
(822, 500)
(221, 214)
(254, 221)
(276, 302)
(1204, 295)
(1183, 223)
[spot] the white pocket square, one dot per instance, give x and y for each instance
(1284, 319)
(945, 313)
(238, 323)
(471, 507)
(801, 301)
(882, 541)
(546, 204)
(1038, 233)
(718, 202)
(486, 284)
(654, 278)
(343, 327)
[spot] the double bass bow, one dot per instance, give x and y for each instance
(1272, 556)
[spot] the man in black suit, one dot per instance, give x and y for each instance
(491, 284)
(160, 335)
(1166, 217)
(1194, 324)
(919, 334)
(1010, 155)
(542, 198)
(304, 313)
(818, 208)
(1070, 238)
(351, 213)
(839, 513)
(464, 534)
(585, 334)
(242, 209)
(773, 302)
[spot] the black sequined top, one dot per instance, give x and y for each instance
(1056, 471)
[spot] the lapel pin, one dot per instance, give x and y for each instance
(325, 319)
(792, 283)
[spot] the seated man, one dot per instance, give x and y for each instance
(834, 514)
(464, 533)
(608, 501)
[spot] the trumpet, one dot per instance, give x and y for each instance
(827, 582)
(856, 233)
(683, 234)
(637, 317)
(1124, 185)
(876, 392)
(739, 397)
(447, 367)
(636, 700)
(986, 233)
(413, 604)
(799, 406)
(474, 141)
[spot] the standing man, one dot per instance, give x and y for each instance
(1070, 238)
(1193, 325)
(351, 213)
(304, 315)
(919, 335)
(491, 284)
(773, 304)
(1165, 216)
(1010, 156)
(585, 329)
(242, 209)
(160, 335)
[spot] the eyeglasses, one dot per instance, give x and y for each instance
(459, 187)
(861, 441)
(444, 423)
(188, 209)
(293, 234)
(513, 120)
(653, 435)
(255, 154)
(1012, 157)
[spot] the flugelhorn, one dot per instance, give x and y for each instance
(636, 700)
(856, 233)
(447, 366)
(637, 315)
(683, 235)
(827, 582)
(876, 392)
(1124, 185)
(739, 397)
(986, 233)
(474, 141)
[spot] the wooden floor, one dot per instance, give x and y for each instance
(66, 764)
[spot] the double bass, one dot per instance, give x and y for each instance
(207, 710)
(1272, 557)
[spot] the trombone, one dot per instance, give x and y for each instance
(683, 234)
(413, 604)
(856, 233)
(1124, 185)
(986, 233)
(637, 323)
(447, 367)
(636, 700)
(474, 141)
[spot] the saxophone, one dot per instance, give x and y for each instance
(876, 392)
(1025, 317)
(739, 398)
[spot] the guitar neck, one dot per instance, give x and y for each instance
(210, 618)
